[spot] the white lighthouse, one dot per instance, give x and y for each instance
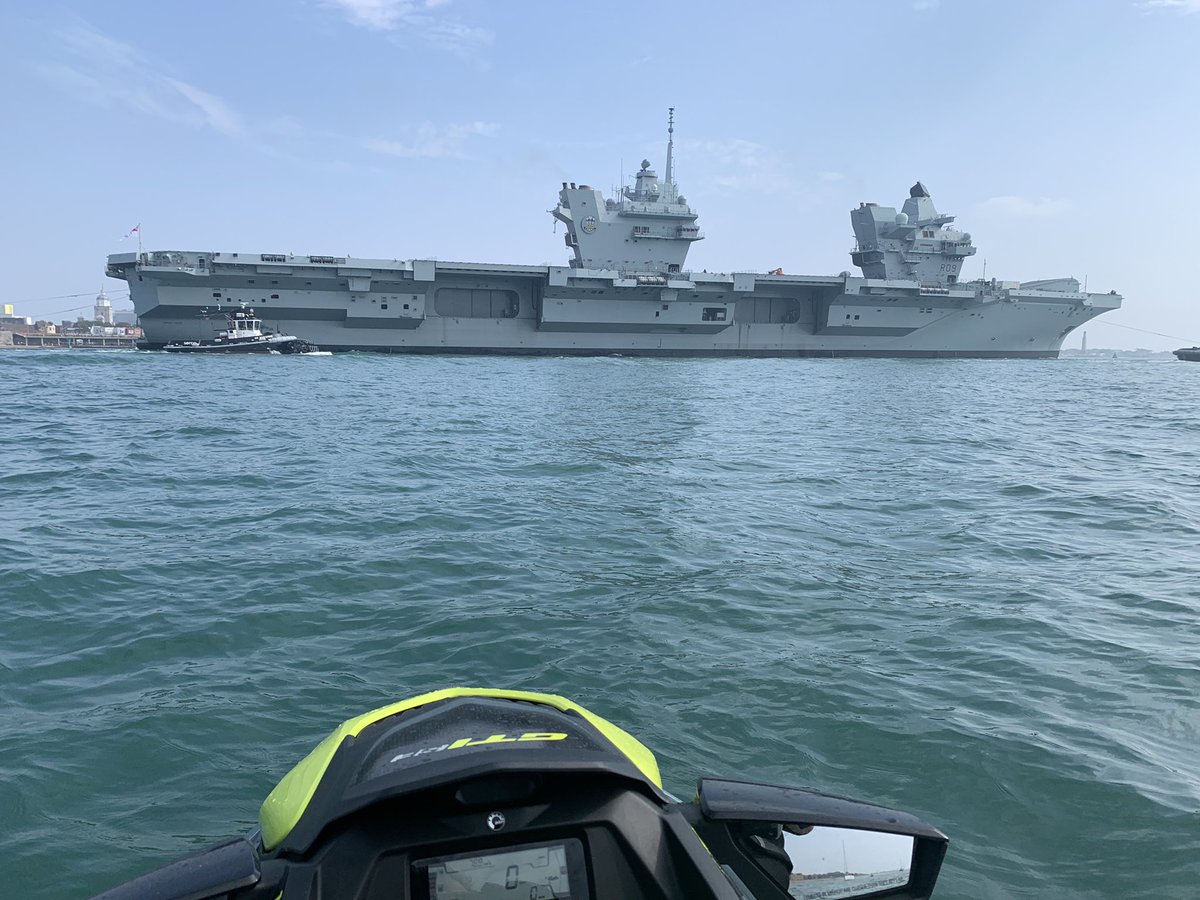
(103, 308)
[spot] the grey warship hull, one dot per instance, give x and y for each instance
(430, 306)
(627, 290)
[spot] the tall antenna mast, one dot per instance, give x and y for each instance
(670, 179)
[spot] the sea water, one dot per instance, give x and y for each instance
(967, 589)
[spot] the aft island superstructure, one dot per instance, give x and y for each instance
(627, 290)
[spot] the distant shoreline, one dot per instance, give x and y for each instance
(1102, 353)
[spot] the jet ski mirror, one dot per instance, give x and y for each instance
(822, 861)
(782, 842)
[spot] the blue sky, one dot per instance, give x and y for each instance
(1064, 135)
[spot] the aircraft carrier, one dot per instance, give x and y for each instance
(626, 290)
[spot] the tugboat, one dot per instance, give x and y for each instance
(244, 335)
(1188, 354)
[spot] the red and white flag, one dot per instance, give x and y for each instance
(136, 229)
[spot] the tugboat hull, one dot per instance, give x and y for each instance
(290, 346)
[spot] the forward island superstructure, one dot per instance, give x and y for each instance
(627, 290)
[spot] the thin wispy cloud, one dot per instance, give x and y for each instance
(738, 164)
(106, 72)
(98, 69)
(214, 111)
(456, 36)
(421, 17)
(1023, 207)
(99, 47)
(921, 5)
(377, 15)
(1183, 6)
(430, 140)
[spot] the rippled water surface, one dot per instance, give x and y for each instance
(969, 589)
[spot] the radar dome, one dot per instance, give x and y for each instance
(901, 218)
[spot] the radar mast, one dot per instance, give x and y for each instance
(670, 179)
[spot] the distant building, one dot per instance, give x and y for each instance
(9, 318)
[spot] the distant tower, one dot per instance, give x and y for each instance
(1084, 347)
(103, 309)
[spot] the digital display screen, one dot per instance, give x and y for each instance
(535, 872)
